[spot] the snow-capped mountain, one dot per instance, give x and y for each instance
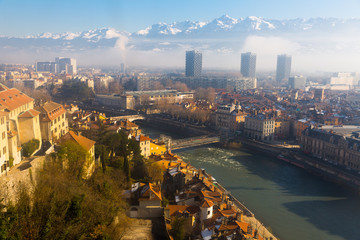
(223, 35)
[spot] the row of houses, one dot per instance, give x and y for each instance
(205, 210)
(21, 122)
(337, 148)
(262, 127)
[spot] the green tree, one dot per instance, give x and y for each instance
(76, 90)
(177, 228)
(74, 157)
(102, 152)
(121, 145)
(30, 147)
(139, 170)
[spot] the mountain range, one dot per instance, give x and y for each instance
(223, 35)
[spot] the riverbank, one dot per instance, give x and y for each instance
(308, 163)
(249, 217)
(225, 214)
(289, 201)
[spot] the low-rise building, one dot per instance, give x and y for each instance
(145, 201)
(144, 143)
(116, 100)
(53, 121)
(4, 153)
(259, 127)
(282, 129)
(21, 121)
(88, 145)
(337, 148)
(157, 149)
(230, 117)
(29, 126)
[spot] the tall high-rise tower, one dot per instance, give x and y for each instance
(66, 65)
(248, 64)
(283, 68)
(193, 64)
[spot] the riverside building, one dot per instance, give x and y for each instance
(259, 127)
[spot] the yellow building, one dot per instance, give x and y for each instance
(21, 122)
(88, 145)
(29, 126)
(156, 149)
(53, 121)
(4, 149)
(144, 143)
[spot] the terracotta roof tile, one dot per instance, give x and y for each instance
(144, 138)
(29, 114)
(13, 98)
(181, 208)
(207, 203)
(243, 225)
(51, 110)
(83, 141)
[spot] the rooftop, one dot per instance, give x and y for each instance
(13, 98)
(81, 140)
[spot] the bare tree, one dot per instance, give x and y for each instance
(157, 86)
(181, 87)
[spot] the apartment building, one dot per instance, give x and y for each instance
(144, 143)
(259, 127)
(230, 117)
(4, 149)
(53, 121)
(19, 123)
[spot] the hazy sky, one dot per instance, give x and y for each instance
(23, 17)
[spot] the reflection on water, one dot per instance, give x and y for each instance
(295, 204)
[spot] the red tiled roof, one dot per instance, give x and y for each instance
(228, 227)
(29, 114)
(207, 203)
(144, 138)
(3, 87)
(51, 110)
(81, 140)
(243, 225)
(228, 213)
(13, 98)
(173, 209)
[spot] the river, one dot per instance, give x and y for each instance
(293, 203)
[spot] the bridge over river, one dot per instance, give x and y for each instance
(194, 142)
(130, 118)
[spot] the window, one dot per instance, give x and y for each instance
(4, 150)
(3, 135)
(2, 120)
